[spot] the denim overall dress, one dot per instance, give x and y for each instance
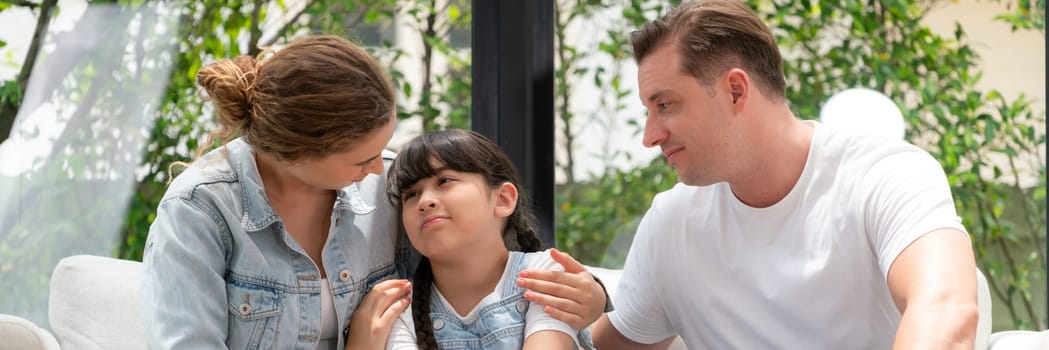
(500, 325)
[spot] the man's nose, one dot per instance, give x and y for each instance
(655, 132)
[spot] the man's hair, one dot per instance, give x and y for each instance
(315, 97)
(713, 36)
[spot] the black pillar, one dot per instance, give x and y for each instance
(513, 92)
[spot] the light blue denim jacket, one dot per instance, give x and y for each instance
(220, 271)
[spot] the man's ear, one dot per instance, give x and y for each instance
(505, 200)
(739, 88)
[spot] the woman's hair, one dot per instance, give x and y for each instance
(463, 151)
(317, 96)
(713, 36)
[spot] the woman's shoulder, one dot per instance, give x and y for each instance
(214, 169)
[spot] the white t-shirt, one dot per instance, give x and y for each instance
(536, 319)
(329, 324)
(808, 272)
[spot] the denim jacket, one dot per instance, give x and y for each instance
(221, 271)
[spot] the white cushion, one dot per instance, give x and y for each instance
(1019, 340)
(94, 304)
(983, 307)
(18, 333)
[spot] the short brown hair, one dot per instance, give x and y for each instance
(317, 96)
(714, 36)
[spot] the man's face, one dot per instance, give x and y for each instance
(689, 121)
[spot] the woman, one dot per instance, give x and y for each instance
(281, 238)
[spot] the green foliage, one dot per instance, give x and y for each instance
(596, 220)
(1025, 14)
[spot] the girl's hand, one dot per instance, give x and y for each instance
(572, 296)
(374, 317)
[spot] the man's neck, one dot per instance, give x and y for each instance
(777, 155)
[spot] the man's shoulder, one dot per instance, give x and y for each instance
(857, 154)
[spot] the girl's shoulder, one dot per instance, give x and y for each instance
(540, 260)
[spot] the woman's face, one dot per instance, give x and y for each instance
(338, 170)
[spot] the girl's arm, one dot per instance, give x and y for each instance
(549, 339)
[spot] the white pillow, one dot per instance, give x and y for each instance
(94, 304)
(20, 334)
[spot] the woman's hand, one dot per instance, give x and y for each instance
(572, 296)
(375, 315)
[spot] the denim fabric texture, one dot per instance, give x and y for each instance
(220, 270)
(500, 325)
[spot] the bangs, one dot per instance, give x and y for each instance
(429, 153)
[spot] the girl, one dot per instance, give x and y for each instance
(460, 205)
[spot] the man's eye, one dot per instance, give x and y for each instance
(663, 105)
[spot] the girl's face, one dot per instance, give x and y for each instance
(454, 213)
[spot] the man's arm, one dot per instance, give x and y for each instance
(607, 337)
(933, 283)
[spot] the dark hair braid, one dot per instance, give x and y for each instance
(421, 294)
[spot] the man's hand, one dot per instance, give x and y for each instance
(373, 319)
(572, 296)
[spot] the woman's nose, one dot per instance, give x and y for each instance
(375, 166)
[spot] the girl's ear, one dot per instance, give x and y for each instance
(505, 200)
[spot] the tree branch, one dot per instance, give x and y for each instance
(287, 25)
(23, 3)
(38, 36)
(9, 106)
(256, 33)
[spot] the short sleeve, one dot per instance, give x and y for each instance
(907, 197)
(402, 336)
(640, 313)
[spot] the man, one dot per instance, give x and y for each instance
(782, 234)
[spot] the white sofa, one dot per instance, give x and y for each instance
(94, 304)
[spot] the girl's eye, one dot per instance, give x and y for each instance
(407, 195)
(444, 180)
